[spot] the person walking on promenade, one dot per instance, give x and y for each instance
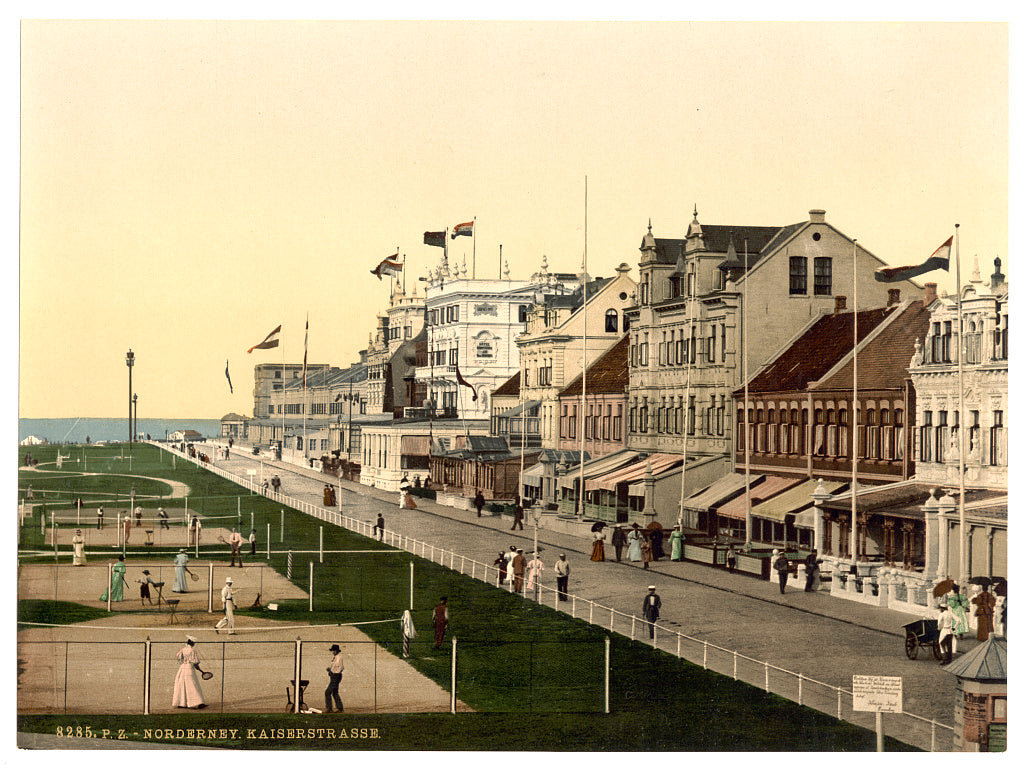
(117, 582)
(618, 540)
(378, 528)
(235, 541)
(780, 563)
(597, 551)
(534, 568)
(730, 559)
(985, 604)
(811, 570)
(252, 543)
(958, 606)
(440, 619)
(675, 540)
(227, 600)
(502, 564)
(99, 517)
(478, 501)
(562, 570)
(187, 694)
(78, 543)
(651, 609)
(408, 633)
(161, 514)
(635, 538)
(518, 570)
(517, 514)
(180, 568)
(946, 638)
(657, 536)
(334, 672)
(403, 492)
(646, 552)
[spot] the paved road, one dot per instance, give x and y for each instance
(821, 637)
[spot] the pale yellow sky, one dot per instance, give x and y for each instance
(187, 186)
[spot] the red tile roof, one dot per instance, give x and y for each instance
(608, 374)
(508, 388)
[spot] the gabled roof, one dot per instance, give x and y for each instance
(884, 360)
(716, 239)
(819, 349)
(509, 387)
(232, 417)
(608, 374)
(575, 298)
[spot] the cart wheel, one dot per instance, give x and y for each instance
(911, 647)
(936, 651)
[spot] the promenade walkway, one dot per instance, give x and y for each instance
(825, 639)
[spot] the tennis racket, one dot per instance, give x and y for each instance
(205, 674)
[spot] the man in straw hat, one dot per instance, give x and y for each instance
(334, 672)
(227, 599)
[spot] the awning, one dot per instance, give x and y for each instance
(525, 406)
(771, 486)
(804, 520)
(533, 474)
(723, 489)
(415, 445)
(658, 463)
(600, 466)
(792, 500)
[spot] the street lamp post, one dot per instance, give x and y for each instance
(130, 361)
(135, 419)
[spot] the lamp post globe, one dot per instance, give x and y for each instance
(130, 361)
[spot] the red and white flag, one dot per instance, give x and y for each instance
(462, 381)
(939, 260)
(271, 341)
(388, 266)
(466, 228)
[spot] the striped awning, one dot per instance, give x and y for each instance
(599, 466)
(723, 489)
(792, 500)
(532, 475)
(658, 462)
(771, 486)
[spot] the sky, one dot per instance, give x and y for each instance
(186, 186)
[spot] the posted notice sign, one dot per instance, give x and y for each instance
(878, 693)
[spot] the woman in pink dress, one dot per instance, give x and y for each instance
(186, 684)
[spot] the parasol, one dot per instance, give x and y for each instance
(655, 525)
(999, 586)
(597, 526)
(980, 580)
(943, 588)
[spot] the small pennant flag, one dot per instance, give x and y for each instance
(466, 228)
(338, 397)
(434, 238)
(462, 381)
(388, 266)
(939, 260)
(270, 342)
(228, 376)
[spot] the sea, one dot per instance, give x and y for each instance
(107, 429)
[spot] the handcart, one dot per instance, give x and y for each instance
(921, 633)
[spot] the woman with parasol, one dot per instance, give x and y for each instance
(984, 608)
(597, 553)
(187, 693)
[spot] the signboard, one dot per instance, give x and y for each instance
(878, 693)
(975, 717)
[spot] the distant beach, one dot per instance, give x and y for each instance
(75, 430)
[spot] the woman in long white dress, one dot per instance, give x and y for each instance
(187, 693)
(634, 538)
(79, 544)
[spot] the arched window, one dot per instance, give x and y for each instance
(611, 321)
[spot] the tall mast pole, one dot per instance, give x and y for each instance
(583, 403)
(748, 434)
(856, 421)
(964, 566)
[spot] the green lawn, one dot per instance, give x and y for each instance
(514, 656)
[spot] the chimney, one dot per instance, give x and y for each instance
(817, 216)
(930, 293)
(840, 303)
(894, 297)
(997, 277)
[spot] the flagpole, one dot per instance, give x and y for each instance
(474, 249)
(583, 403)
(964, 567)
(692, 306)
(747, 434)
(856, 411)
(281, 406)
(305, 392)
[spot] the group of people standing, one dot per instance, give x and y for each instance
(515, 572)
(641, 545)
